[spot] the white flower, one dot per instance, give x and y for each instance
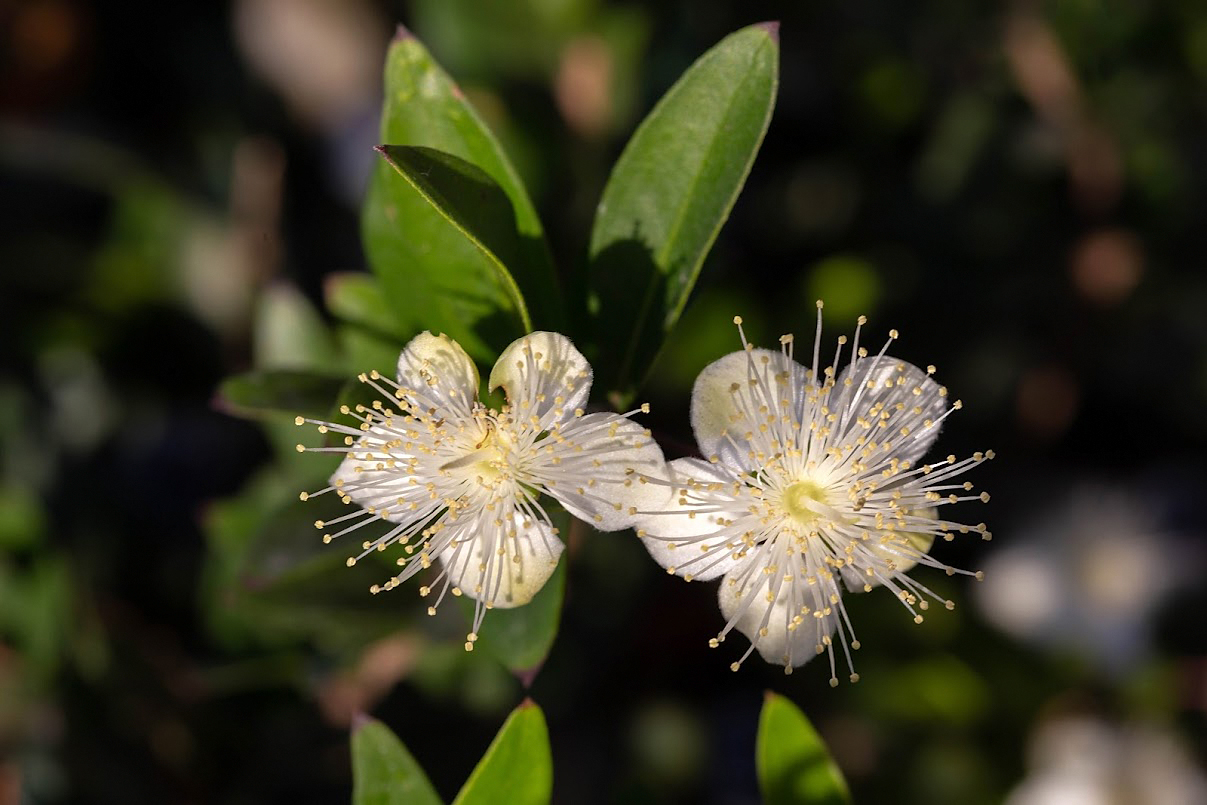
(1080, 758)
(460, 483)
(1087, 575)
(810, 477)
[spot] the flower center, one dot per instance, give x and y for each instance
(799, 499)
(487, 459)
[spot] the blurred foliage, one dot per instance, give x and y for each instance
(1018, 190)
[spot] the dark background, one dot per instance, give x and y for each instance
(1019, 188)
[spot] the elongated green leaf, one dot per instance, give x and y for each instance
(280, 392)
(793, 763)
(468, 199)
(517, 767)
(383, 771)
(669, 194)
(432, 276)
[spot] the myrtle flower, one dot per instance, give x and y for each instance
(1088, 574)
(811, 476)
(459, 484)
(1082, 757)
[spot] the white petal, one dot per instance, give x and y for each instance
(610, 470)
(783, 643)
(544, 376)
(905, 391)
(359, 478)
(677, 533)
(729, 390)
(437, 374)
(530, 552)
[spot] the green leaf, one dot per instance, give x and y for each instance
(383, 771)
(517, 767)
(357, 298)
(280, 392)
(22, 518)
(365, 350)
(285, 554)
(433, 276)
(290, 334)
(35, 612)
(669, 194)
(793, 763)
(271, 578)
(468, 199)
(520, 638)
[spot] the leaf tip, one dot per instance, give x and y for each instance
(360, 721)
(772, 27)
(402, 33)
(528, 702)
(527, 676)
(332, 282)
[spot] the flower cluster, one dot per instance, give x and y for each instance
(810, 477)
